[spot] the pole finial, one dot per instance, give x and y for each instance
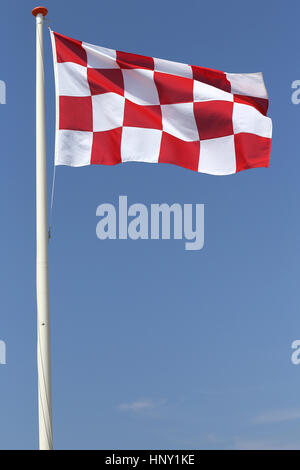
(42, 10)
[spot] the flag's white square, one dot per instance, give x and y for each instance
(74, 148)
(173, 68)
(139, 144)
(217, 156)
(179, 120)
(72, 80)
(108, 111)
(204, 92)
(251, 84)
(100, 57)
(248, 119)
(140, 87)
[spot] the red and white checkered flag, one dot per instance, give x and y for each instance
(115, 107)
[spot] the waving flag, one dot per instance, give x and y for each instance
(115, 107)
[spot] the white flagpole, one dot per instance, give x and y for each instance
(42, 284)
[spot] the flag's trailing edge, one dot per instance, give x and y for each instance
(115, 107)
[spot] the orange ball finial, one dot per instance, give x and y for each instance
(38, 10)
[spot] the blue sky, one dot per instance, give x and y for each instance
(154, 346)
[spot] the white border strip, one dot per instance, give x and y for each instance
(56, 95)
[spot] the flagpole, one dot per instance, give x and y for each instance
(42, 283)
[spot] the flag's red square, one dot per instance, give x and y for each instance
(211, 77)
(136, 115)
(105, 80)
(251, 151)
(173, 89)
(69, 50)
(106, 148)
(127, 60)
(76, 113)
(213, 119)
(179, 152)
(261, 104)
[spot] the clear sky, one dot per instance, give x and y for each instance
(154, 346)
